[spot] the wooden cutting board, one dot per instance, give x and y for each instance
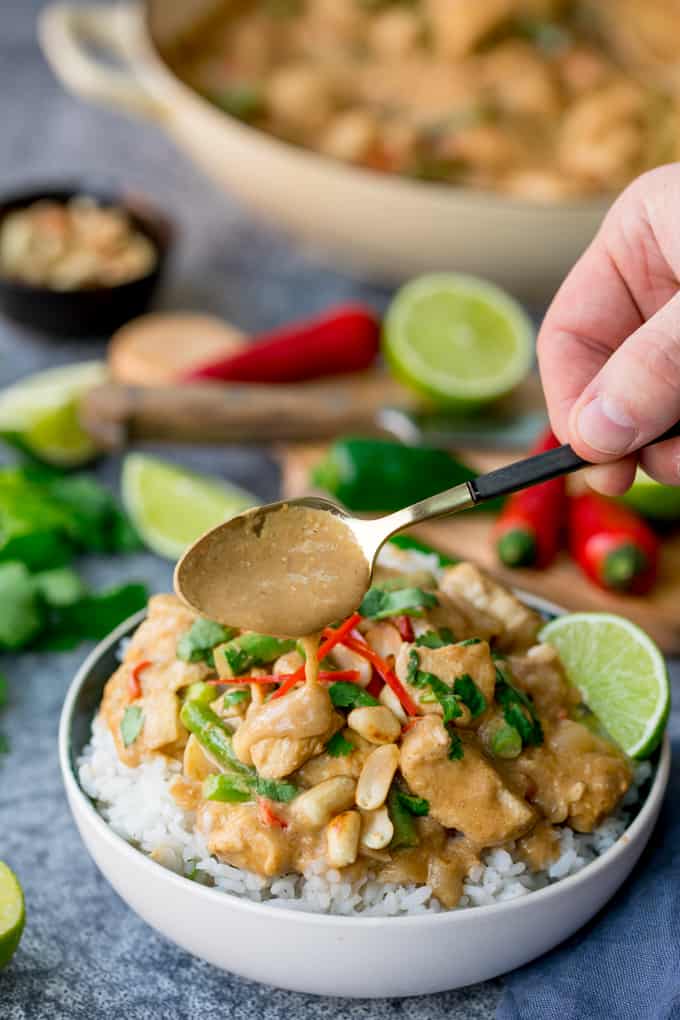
(469, 536)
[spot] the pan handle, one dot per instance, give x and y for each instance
(68, 34)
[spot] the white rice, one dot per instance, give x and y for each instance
(137, 804)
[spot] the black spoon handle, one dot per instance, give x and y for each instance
(535, 470)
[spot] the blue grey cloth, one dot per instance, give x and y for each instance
(626, 964)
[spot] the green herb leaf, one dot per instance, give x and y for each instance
(346, 695)
(236, 697)
(274, 789)
(379, 604)
(21, 618)
(444, 694)
(339, 747)
(469, 693)
(131, 724)
(436, 639)
(198, 642)
(405, 832)
(518, 711)
(455, 748)
(253, 649)
(93, 617)
(414, 805)
(59, 587)
(470, 641)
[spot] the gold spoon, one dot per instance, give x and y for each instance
(291, 568)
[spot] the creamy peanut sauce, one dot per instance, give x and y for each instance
(475, 798)
(286, 572)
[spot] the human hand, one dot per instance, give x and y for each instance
(609, 348)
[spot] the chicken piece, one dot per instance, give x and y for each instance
(161, 720)
(574, 776)
(154, 642)
(236, 835)
(467, 794)
(326, 766)
(462, 618)
(519, 623)
(280, 735)
(459, 26)
(540, 674)
(448, 664)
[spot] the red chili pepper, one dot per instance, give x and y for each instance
(612, 544)
(134, 683)
(390, 678)
(527, 532)
(351, 676)
(405, 628)
(376, 685)
(268, 816)
(333, 638)
(345, 339)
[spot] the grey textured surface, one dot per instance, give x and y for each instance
(84, 954)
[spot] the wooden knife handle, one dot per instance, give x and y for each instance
(230, 413)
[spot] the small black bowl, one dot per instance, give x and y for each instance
(95, 311)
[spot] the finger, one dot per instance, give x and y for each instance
(612, 479)
(591, 315)
(662, 461)
(635, 397)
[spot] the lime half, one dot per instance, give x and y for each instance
(12, 914)
(41, 413)
(457, 339)
(652, 499)
(172, 507)
(620, 673)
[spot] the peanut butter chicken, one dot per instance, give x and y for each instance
(404, 740)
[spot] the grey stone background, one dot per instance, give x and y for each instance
(84, 954)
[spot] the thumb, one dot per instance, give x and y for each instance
(635, 396)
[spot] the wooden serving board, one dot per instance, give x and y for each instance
(469, 536)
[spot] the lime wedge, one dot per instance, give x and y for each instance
(652, 499)
(457, 339)
(12, 914)
(172, 507)
(41, 413)
(620, 673)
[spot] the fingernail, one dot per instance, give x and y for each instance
(605, 426)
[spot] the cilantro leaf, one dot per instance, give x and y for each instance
(414, 805)
(236, 697)
(405, 832)
(518, 711)
(21, 618)
(339, 747)
(131, 724)
(455, 748)
(470, 641)
(60, 586)
(444, 694)
(197, 643)
(469, 693)
(92, 617)
(436, 639)
(346, 695)
(379, 604)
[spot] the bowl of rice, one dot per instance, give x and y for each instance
(318, 932)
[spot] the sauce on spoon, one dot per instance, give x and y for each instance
(287, 571)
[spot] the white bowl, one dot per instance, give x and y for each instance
(330, 955)
(385, 226)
